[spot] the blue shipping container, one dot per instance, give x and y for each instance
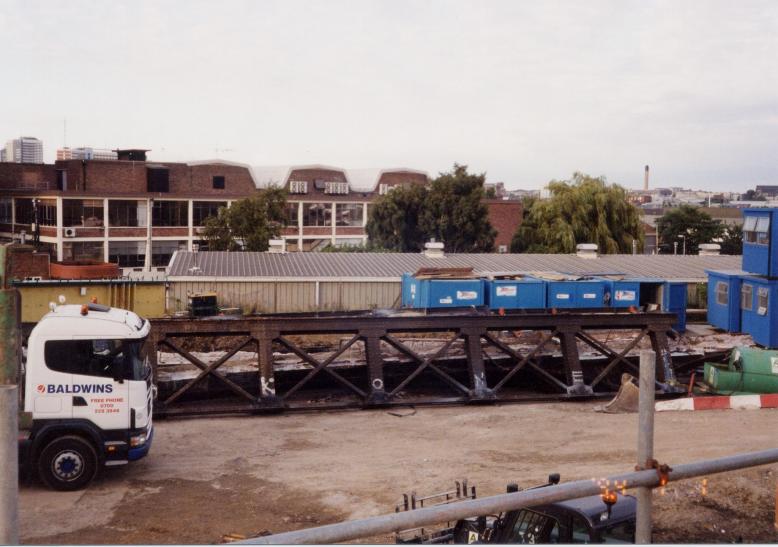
(674, 301)
(760, 241)
(759, 317)
(442, 293)
(583, 293)
(724, 299)
(622, 293)
(510, 294)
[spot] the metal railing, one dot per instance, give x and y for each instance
(385, 524)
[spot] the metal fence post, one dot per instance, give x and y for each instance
(645, 441)
(9, 406)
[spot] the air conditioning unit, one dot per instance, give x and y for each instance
(70, 232)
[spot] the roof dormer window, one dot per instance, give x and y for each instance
(298, 186)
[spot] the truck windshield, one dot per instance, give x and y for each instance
(118, 359)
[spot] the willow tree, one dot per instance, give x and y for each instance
(583, 209)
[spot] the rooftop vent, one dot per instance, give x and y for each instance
(710, 249)
(434, 249)
(276, 246)
(586, 250)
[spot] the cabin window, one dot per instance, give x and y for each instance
(722, 293)
(762, 297)
(746, 297)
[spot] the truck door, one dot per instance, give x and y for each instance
(100, 391)
(49, 386)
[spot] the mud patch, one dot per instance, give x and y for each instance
(199, 512)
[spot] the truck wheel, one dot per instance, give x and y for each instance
(67, 463)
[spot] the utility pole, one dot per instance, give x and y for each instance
(10, 350)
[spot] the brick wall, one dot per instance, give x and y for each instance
(27, 176)
(505, 217)
(25, 262)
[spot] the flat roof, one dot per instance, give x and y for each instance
(244, 266)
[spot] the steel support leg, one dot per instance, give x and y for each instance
(479, 389)
(664, 369)
(375, 367)
(267, 383)
(573, 370)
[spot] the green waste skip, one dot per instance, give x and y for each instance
(750, 370)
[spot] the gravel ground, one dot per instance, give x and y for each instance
(206, 478)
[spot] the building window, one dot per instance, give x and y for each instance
(170, 213)
(291, 214)
(162, 251)
(747, 297)
(762, 294)
(336, 187)
(722, 293)
(201, 210)
(24, 212)
(756, 229)
(80, 251)
(218, 182)
(62, 180)
(157, 179)
(348, 214)
(126, 213)
(298, 186)
(384, 188)
(6, 211)
(47, 212)
(127, 254)
(316, 214)
(82, 212)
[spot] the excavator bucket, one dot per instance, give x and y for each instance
(626, 400)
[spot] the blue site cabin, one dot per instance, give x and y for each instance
(724, 299)
(760, 237)
(674, 301)
(758, 310)
(522, 292)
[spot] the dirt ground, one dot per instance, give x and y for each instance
(205, 478)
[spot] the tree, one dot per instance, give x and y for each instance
(449, 210)
(456, 214)
(732, 240)
(395, 220)
(366, 248)
(689, 225)
(583, 209)
(248, 224)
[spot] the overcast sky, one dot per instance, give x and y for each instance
(525, 91)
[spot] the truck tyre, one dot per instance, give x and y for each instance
(67, 463)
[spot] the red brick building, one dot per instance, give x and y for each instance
(505, 216)
(137, 213)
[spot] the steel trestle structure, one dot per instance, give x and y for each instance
(382, 377)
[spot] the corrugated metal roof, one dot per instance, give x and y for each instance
(393, 265)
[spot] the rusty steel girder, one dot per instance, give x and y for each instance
(476, 333)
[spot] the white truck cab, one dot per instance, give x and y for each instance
(88, 387)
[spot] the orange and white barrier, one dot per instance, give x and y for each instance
(720, 402)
